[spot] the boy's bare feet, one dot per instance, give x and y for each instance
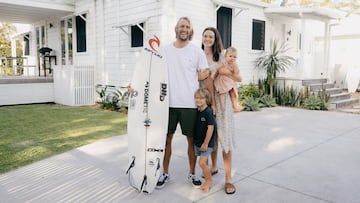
(205, 187)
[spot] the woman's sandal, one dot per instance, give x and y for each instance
(214, 172)
(229, 188)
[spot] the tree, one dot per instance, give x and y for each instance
(6, 31)
(273, 62)
(348, 6)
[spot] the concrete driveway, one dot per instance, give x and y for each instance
(282, 155)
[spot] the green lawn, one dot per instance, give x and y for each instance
(33, 132)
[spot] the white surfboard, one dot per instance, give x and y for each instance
(148, 117)
(353, 79)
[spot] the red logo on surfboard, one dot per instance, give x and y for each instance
(154, 41)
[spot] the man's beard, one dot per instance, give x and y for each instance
(182, 39)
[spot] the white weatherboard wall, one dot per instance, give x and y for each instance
(26, 93)
(115, 58)
(242, 40)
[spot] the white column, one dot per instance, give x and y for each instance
(326, 51)
(301, 65)
(13, 54)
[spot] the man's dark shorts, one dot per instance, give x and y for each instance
(186, 117)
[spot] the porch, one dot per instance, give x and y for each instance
(60, 74)
(26, 90)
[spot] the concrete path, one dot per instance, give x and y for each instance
(282, 155)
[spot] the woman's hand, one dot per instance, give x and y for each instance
(203, 74)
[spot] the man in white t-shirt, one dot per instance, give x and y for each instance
(184, 62)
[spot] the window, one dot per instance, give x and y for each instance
(224, 25)
(27, 45)
(258, 35)
(137, 36)
(40, 37)
(70, 40)
(81, 33)
(63, 44)
(66, 36)
(43, 37)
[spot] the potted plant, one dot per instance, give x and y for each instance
(273, 62)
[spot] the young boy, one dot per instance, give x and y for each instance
(204, 134)
(224, 84)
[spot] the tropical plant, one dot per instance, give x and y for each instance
(267, 101)
(324, 98)
(274, 62)
(312, 103)
(288, 96)
(110, 97)
(263, 86)
(251, 104)
(101, 91)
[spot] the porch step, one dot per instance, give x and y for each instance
(319, 86)
(334, 90)
(339, 97)
(343, 103)
(330, 91)
(307, 82)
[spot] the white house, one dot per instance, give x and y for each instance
(99, 41)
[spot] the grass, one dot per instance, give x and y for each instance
(30, 133)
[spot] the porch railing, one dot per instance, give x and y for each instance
(16, 66)
(84, 77)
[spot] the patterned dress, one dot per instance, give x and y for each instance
(224, 120)
(225, 124)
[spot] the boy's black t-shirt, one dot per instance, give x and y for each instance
(204, 118)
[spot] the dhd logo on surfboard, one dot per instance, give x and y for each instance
(154, 44)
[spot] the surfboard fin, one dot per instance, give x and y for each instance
(144, 182)
(132, 164)
(158, 166)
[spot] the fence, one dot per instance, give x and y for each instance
(84, 85)
(14, 66)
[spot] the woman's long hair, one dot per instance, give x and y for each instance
(218, 46)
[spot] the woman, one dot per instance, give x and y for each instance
(213, 47)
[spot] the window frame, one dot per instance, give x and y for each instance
(225, 28)
(26, 49)
(135, 33)
(81, 33)
(67, 47)
(255, 36)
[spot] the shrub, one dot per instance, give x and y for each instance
(111, 98)
(267, 101)
(288, 96)
(250, 90)
(312, 103)
(251, 104)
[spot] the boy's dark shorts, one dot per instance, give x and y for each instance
(186, 117)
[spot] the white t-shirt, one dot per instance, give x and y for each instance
(183, 64)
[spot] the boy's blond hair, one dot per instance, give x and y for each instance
(205, 93)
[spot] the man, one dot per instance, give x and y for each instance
(184, 61)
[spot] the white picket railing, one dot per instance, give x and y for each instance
(84, 85)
